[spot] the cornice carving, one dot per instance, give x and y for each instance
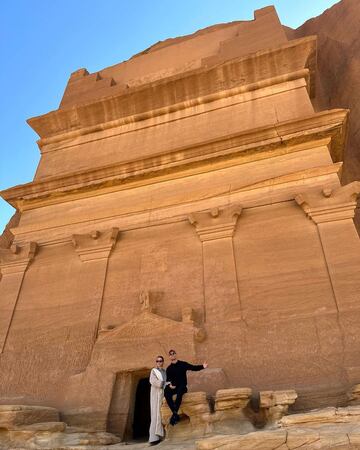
(95, 245)
(329, 205)
(141, 99)
(17, 258)
(330, 125)
(217, 223)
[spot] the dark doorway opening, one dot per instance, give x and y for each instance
(141, 422)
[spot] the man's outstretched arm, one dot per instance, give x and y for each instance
(196, 368)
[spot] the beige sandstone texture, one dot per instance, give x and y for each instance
(39, 427)
(190, 198)
(317, 429)
(338, 81)
(24, 427)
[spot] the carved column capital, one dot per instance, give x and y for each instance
(95, 245)
(16, 258)
(217, 223)
(330, 205)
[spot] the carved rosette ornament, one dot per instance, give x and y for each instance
(217, 223)
(95, 245)
(329, 205)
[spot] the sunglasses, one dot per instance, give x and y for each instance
(172, 353)
(159, 360)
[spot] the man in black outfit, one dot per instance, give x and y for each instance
(177, 383)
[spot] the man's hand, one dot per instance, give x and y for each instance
(205, 365)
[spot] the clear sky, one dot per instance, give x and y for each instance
(43, 41)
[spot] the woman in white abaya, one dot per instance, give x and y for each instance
(157, 381)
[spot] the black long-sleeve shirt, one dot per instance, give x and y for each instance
(176, 372)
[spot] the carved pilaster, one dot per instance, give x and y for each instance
(13, 264)
(217, 223)
(329, 205)
(333, 211)
(95, 245)
(16, 259)
(215, 229)
(94, 250)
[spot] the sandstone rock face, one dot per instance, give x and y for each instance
(226, 399)
(291, 440)
(194, 413)
(189, 198)
(7, 237)
(209, 380)
(337, 31)
(12, 416)
(276, 404)
(38, 427)
(265, 440)
(230, 412)
(354, 394)
(327, 415)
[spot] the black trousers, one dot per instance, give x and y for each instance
(169, 393)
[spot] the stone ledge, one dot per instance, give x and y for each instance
(16, 415)
(326, 124)
(320, 416)
(88, 116)
(326, 437)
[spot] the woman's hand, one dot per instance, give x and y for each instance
(171, 386)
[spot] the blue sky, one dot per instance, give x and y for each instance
(43, 41)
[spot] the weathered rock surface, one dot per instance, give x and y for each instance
(12, 416)
(230, 412)
(198, 420)
(337, 31)
(258, 439)
(276, 404)
(354, 394)
(230, 399)
(323, 438)
(39, 427)
(201, 172)
(319, 416)
(194, 413)
(318, 429)
(7, 237)
(209, 380)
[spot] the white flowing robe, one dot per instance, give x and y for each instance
(157, 381)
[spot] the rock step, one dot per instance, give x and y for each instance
(39, 428)
(327, 437)
(51, 427)
(33, 438)
(13, 416)
(319, 416)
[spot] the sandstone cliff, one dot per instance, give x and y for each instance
(338, 59)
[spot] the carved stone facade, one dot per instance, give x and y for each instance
(171, 209)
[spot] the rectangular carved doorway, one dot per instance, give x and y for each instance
(129, 412)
